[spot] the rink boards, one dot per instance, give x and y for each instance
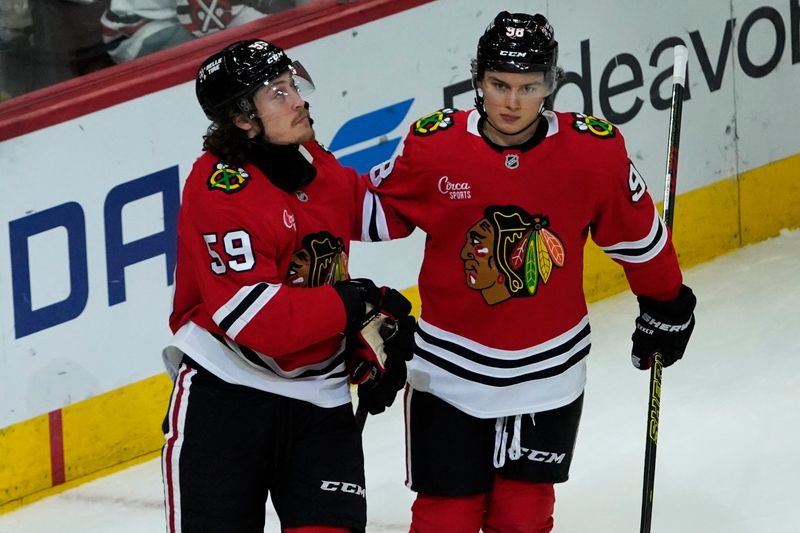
(88, 220)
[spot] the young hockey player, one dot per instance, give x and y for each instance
(507, 194)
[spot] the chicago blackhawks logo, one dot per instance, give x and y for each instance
(227, 179)
(509, 252)
(596, 126)
(434, 122)
(320, 261)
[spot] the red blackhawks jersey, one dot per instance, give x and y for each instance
(504, 328)
(253, 299)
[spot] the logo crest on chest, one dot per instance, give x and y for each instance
(510, 253)
(512, 161)
(321, 260)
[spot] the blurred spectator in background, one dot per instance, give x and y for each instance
(134, 28)
(43, 42)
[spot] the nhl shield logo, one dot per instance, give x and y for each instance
(512, 161)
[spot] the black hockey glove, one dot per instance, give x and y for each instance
(358, 296)
(380, 324)
(379, 392)
(663, 327)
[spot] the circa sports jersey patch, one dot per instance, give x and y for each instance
(509, 253)
(454, 189)
(228, 180)
(437, 121)
(321, 260)
(596, 126)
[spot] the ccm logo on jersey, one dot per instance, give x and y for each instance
(543, 457)
(455, 190)
(343, 486)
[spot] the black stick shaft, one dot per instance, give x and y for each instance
(361, 416)
(670, 185)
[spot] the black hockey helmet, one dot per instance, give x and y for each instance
(517, 43)
(228, 78)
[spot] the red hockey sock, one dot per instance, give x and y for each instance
(519, 507)
(316, 529)
(435, 514)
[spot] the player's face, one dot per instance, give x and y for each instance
(512, 101)
(282, 111)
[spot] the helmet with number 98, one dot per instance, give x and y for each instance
(518, 43)
(227, 80)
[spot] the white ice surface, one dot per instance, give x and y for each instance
(729, 435)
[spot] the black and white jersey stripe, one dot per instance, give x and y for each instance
(488, 382)
(645, 248)
(236, 313)
(374, 227)
(507, 369)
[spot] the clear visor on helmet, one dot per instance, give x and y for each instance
(298, 82)
(540, 82)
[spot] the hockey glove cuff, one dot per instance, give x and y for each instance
(380, 389)
(387, 329)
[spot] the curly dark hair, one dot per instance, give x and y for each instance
(227, 141)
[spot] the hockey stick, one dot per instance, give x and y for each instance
(651, 437)
(361, 417)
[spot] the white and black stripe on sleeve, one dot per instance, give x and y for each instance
(237, 312)
(373, 219)
(644, 249)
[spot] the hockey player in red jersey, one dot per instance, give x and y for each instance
(507, 194)
(262, 304)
